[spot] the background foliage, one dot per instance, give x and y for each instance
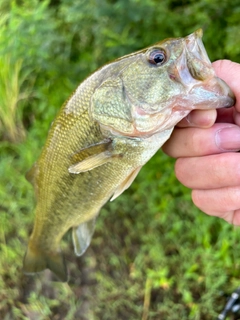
(154, 256)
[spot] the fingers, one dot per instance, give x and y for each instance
(215, 183)
(229, 71)
(223, 203)
(192, 142)
(210, 172)
(203, 147)
(199, 118)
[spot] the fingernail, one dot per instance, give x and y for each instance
(228, 138)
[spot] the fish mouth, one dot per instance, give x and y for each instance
(213, 94)
(195, 71)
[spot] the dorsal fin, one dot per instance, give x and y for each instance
(30, 174)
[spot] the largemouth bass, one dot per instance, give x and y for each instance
(114, 122)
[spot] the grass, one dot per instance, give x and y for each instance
(12, 96)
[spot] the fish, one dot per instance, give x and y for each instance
(114, 122)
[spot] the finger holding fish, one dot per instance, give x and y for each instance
(197, 142)
(229, 72)
(199, 118)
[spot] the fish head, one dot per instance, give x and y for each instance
(153, 89)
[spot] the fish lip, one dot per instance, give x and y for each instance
(232, 102)
(213, 91)
(183, 103)
(223, 102)
(232, 97)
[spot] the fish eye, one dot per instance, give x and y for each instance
(157, 57)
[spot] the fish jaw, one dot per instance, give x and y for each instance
(212, 94)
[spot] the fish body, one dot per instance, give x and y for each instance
(114, 122)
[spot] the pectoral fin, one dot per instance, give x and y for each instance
(91, 162)
(125, 184)
(82, 236)
(92, 157)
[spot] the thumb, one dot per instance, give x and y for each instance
(229, 72)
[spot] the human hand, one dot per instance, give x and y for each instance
(205, 144)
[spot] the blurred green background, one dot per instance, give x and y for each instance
(153, 255)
